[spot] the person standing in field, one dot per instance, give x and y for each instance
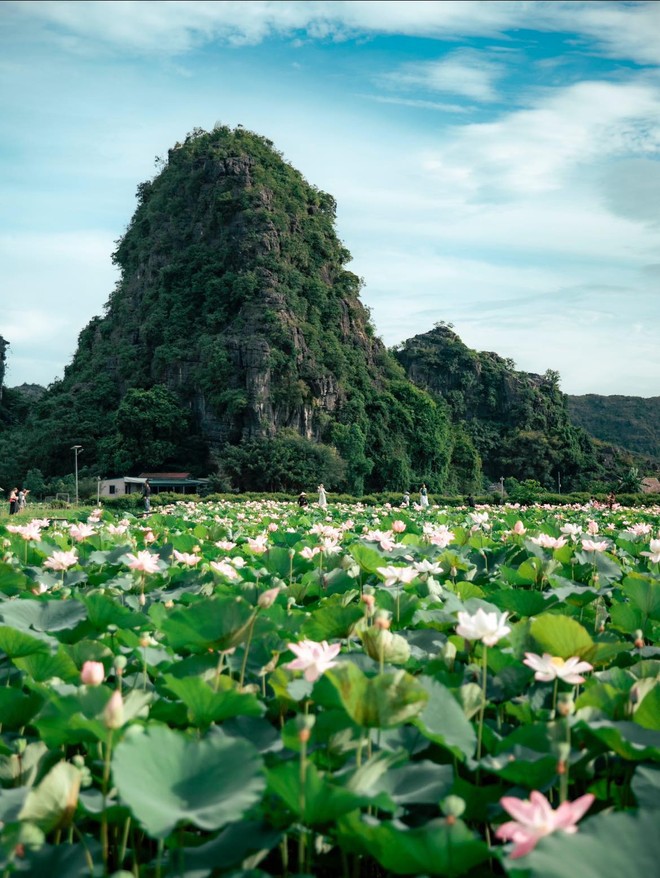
(323, 500)
(22, 499)
(13, 501)
(423, 497)
(146, 494)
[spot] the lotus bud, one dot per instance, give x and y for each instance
(382, 619)
(639, 639)
(113, 715)
(453, 806)
(120, 664)
(267, 598)
(565, 704)
(92, 673)
(448, 654)
(305, 724)
(369, 601)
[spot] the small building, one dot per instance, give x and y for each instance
(178, 483)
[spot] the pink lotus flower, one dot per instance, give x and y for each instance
(116, 529)
(591, 546)
(61, 560)
(308, 552)
(398, 526)
(313, 658)
(186, 558)
(548, 542)
(80, 532)
(92, 673)
(551, 667)
(519, 528)
(438, 536)
(535, 818)
(227, 545)
(31, 531)
(487, 627)
(259, 544)
(383, 538)
(224, 569)
(592, 527)
(143, 561)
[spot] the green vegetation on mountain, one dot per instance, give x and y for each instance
(517, 421)
(630, 422)
(234, 326)
(235, 343)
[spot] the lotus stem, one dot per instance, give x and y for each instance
(482, 708)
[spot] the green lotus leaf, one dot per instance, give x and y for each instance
(52, 804)
(18, 643)
(378, 702)
(206, 705)
(214, 623)
(369, 558)
(331, 620)
(42, 615)
(561, 636)
(379, 643)
(437, 848)
(317, 801)
(17, 708)
(43, 666)
(443, 720)
(169, 779)
(608, 844)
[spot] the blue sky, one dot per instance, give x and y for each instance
(496, 164)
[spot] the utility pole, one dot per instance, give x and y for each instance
(558, 482)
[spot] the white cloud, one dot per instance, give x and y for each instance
(465, 72)
(534, 150)
(174, 27)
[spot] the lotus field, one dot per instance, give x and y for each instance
(251, 689)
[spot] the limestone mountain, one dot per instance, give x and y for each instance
(518, 422)
(631, 422)
(236, 339)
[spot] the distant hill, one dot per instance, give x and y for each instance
(631, 422)
(517, 421)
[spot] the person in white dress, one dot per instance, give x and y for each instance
(323, 500)
(423, 497)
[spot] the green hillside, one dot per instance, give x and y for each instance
(627, 421)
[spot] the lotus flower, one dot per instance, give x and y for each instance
(487, 627)
(654, 554)
(551, 667)
(61, 560)
(80, 532)
(186, 558)
(592, 546)
(313, 658)
(534, 818)
(143, 561)
(397, 575)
